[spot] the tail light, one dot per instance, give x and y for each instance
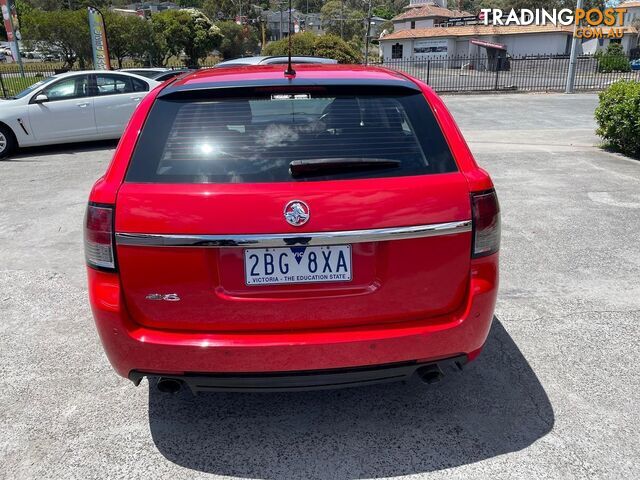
(98, 237)
(486, 223)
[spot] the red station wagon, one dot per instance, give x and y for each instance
(260, 230)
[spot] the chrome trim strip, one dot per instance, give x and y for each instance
(289, 239)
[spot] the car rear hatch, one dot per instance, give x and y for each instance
(277, 209)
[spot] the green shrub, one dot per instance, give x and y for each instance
(618, 117)
(301, 44)
(237, 40)
(613, 60)
(308, 44)
(331, 46)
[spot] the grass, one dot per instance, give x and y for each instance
(30, 67)
(12, 82)
(14, 85)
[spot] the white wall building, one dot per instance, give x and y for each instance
(428, 29)
(633, 11)
(425, 14)
(474, 40)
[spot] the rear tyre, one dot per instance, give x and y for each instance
(7, 142)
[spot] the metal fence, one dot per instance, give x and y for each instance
(529, 74)
(446, 74)
(13, 81)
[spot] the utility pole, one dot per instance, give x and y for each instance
(366, 36)
(571, 74)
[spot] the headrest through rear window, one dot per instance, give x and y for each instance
(343, 113)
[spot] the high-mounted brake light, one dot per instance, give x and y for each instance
(486, 223)
(98, 237)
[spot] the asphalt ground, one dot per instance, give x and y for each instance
(554, 395)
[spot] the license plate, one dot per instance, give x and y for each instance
(273, 266)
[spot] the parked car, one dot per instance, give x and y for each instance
(48, 57)
(168, 75)
(262, 231)
(273, 60)
(148, 72)
(71, 107)
(635, 64)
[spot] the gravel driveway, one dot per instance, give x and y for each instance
(554, 395)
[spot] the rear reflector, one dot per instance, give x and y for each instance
(98, 237)
(486, 223)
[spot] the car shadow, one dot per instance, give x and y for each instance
(496, 406)
(27, 154)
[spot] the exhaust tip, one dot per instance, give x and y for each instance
(169, 385)
(430, 374)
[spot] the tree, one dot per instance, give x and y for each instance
(307, 5)
(347, 20)
(331, 46)
(306, 43)
(47, 5)
(189, 3)
(67, 31)
(301, 44)
(217, 9)
(129, 36)
(384, 11)
(187, 31)
(50, 5)
(238, 40)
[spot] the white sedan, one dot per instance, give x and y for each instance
(71, 107)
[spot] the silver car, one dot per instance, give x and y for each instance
(71, 107)
(272, 60)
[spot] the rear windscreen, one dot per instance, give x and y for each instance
(258, 138)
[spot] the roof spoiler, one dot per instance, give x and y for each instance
(316, 83)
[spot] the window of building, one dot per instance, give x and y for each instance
(413, 25)
(396, 51)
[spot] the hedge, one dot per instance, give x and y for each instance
(618, 117)
(308, 44)
(613, 59)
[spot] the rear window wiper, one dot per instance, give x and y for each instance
(328, 166)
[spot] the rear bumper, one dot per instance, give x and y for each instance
(133, 348)
(311, 380)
